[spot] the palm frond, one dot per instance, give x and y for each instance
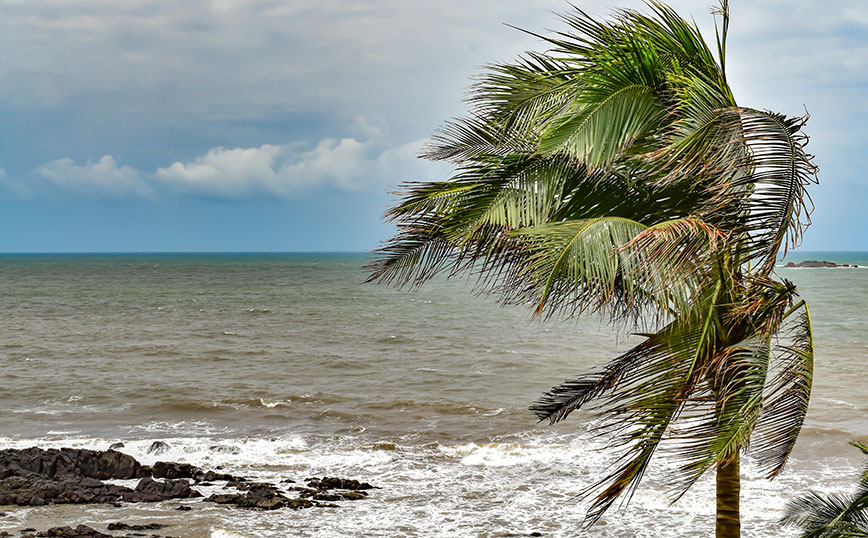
(774, 177)
(788, 394)
(832, 516)
(719, 425)
(576, 262)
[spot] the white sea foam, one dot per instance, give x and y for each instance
(466, 489)
(223, 533)
(270, 404)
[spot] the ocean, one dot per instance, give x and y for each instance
(276, 366)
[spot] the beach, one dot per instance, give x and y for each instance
(286, 366)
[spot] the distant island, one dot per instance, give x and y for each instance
(815, 263)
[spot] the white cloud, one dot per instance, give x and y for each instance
(102, 178)
(283, 170)
(365, 162)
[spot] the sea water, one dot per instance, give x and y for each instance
(287, 366)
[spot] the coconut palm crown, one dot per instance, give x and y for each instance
(615, 173)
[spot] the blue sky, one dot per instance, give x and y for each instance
(266, 125)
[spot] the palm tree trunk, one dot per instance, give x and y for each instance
(728, 485)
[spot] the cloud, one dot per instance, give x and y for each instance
(102, 178)
(345, 164)
(364, 162)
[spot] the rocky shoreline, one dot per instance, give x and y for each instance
(38, 477)
(817, 263)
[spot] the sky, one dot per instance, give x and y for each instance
(274, 125)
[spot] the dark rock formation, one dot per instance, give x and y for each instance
(163, 469)
(149, 489)
(815, 263)
(223, 449)
(35, 477)
(337, 483)
(115, 446)
(32, 490)
(82, 531)
(158, 447)
(69, 462)
(121, 526)
(261, 497)
(171, 470)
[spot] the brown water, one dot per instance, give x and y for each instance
(280, 366)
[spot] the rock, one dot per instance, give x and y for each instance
(260, 497)
(82, 531)
(337, 483)
(158, 447)
(297, 504)
(149, 489)
(184, 508)
(163, 469)
(121, 526)
(34, 490)
(325, 497)
(223, 449)
(115, 446)
(68, 462)
(171, 470)
(243, 485)
(211, 476)
(817, 263)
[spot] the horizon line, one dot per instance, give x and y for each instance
(112, 252)
(122, 252)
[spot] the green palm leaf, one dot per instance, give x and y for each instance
(832, 516)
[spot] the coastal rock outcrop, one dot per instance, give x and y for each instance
(82, 531)
(337, 483)
(171, 470)
(121, 526)
(261, 497)
(33, 490)
(158, 447)
(817, 263)
(149, 490)
(70, 462)
(36, 477)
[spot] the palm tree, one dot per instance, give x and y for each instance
(616, 174)
(832, 516)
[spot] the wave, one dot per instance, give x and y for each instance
(446, 408)
(465, 489)
(244, 403)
